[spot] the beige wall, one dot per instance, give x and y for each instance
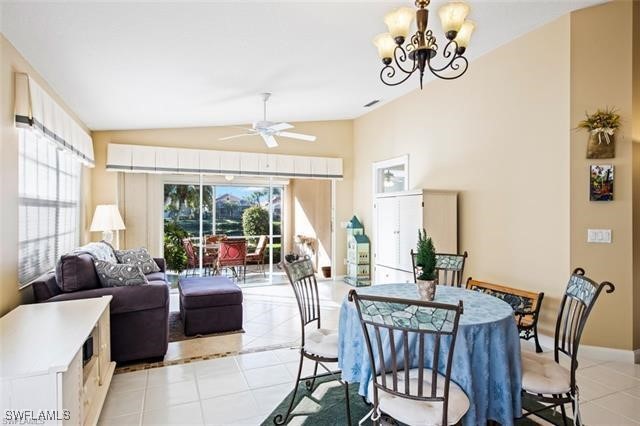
(334, 140)
(636, 173)
(607, 81)
(310, 205)
(10, 63)
(500, 136)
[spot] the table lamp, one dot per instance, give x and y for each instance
(107, 219)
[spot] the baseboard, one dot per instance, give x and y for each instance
(598, 353)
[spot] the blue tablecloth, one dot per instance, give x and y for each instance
(486, 361)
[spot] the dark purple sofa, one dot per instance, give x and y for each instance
(139, 314)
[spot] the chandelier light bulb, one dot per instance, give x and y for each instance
(385, 44)
(452, 16)
(464, 35)
(399, 23)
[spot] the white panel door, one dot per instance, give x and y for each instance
(410, 222)
(387, 232)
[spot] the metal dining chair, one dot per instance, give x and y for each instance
(544, 379)
(233, 254)
(449, 267)
(394, 329)
(318, 344)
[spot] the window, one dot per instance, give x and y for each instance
(48, 203)
(391, 175)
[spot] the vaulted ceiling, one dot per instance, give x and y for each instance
(126, 65)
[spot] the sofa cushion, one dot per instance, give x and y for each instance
(76, 272)
(205, 292)
(119, 274)
(125, 299)
(139, 257)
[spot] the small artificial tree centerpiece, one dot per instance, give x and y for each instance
(602, 126)
(426, 260)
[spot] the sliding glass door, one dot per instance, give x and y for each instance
(233, 210)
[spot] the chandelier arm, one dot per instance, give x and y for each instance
(448, 53)
(460, 67)
(390, 73)
(402, 58)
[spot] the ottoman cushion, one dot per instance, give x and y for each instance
(207, 292)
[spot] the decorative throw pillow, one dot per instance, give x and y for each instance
(139, 257)
(119, 274)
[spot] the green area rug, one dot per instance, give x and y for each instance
(326, 406)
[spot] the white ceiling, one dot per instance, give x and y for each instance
(125, 65)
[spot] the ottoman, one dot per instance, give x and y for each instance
(210, 305)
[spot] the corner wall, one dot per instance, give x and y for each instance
(598, 81)
(11, 62)
(500, 136)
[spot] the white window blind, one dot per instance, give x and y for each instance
(49, 204)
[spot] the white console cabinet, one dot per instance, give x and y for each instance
(42, 371)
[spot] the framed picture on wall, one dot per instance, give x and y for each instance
(601, 182)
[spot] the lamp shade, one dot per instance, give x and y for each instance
(399, 21)
(464, 35)
(106, 218)
(452, 15)
(385, 44)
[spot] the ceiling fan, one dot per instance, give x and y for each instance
(269, 129)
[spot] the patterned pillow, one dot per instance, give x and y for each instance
(139, 257)
(119, 274)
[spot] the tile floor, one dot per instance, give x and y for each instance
(244, 389)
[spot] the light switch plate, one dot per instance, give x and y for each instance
(599, 236)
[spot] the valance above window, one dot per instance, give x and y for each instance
(35, 109)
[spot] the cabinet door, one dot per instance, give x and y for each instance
(387, 232)
(410, 221)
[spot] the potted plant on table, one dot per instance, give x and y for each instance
(426, 260)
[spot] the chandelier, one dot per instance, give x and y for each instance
(401, 61)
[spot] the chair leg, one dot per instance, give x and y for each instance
(346, 397)
(535, 338)
(309, 384)
(280, 419)
(564, 414)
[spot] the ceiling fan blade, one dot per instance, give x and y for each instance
(269, 140)
(277, 127)
(299, 136)
(236, 136)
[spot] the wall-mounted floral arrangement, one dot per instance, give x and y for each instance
(602, 126)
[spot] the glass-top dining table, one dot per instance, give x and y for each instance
(486, 360)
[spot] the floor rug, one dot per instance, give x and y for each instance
(176, 329)
(325, 405)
